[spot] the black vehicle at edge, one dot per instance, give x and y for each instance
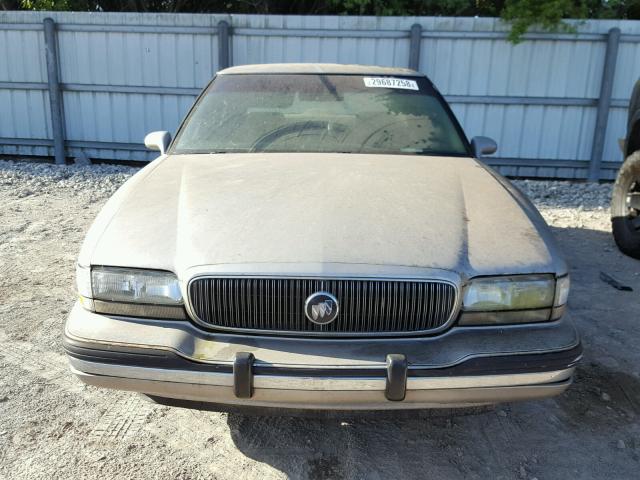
(625, 201)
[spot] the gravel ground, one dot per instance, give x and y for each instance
(51, 426)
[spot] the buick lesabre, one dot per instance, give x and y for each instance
(322, 237)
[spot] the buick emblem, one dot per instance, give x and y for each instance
(321, 308)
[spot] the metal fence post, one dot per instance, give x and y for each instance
(55, 93)
(604, 102)
(414, 46)
(224, 56)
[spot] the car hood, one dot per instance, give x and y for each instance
(351, 210)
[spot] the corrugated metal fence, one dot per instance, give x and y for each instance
(96, 83)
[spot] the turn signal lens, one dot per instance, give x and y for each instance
(563, 286)
(83, 281)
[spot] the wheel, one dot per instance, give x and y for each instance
(625, 207)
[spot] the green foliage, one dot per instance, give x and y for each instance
(415, 7)
(370, 7)
(613, 9)
(548, 14)
(45, 4)
(522, 15)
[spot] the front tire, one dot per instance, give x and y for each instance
(625, 207)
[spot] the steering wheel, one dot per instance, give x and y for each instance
(407, 136)
(296, 127)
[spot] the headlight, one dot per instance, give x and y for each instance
(133, 292)
(135, 286)
(513, 299)
(509, 293)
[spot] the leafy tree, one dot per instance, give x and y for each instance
(523, 15)
(416, 7)
(46, 5)
(548, 14)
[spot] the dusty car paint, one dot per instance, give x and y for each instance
(438, 351)
(321, 216)
(414, 211)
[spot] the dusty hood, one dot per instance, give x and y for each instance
(413, 211)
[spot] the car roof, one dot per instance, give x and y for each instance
(317, 68)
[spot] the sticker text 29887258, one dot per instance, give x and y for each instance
(389, 82)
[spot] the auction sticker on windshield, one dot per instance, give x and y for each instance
(389, 82)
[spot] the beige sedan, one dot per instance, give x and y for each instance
(322, 237)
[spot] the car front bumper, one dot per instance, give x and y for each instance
(462, 367)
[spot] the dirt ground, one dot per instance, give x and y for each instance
(51, 426)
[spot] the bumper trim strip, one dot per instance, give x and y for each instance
(317, 383)
(478, 365)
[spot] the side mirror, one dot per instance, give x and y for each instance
(483, 146)
(158, 141)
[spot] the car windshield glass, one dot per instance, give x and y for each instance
(320, 113)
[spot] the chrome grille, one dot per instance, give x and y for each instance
(367, 307)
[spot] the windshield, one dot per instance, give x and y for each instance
(320, 113)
